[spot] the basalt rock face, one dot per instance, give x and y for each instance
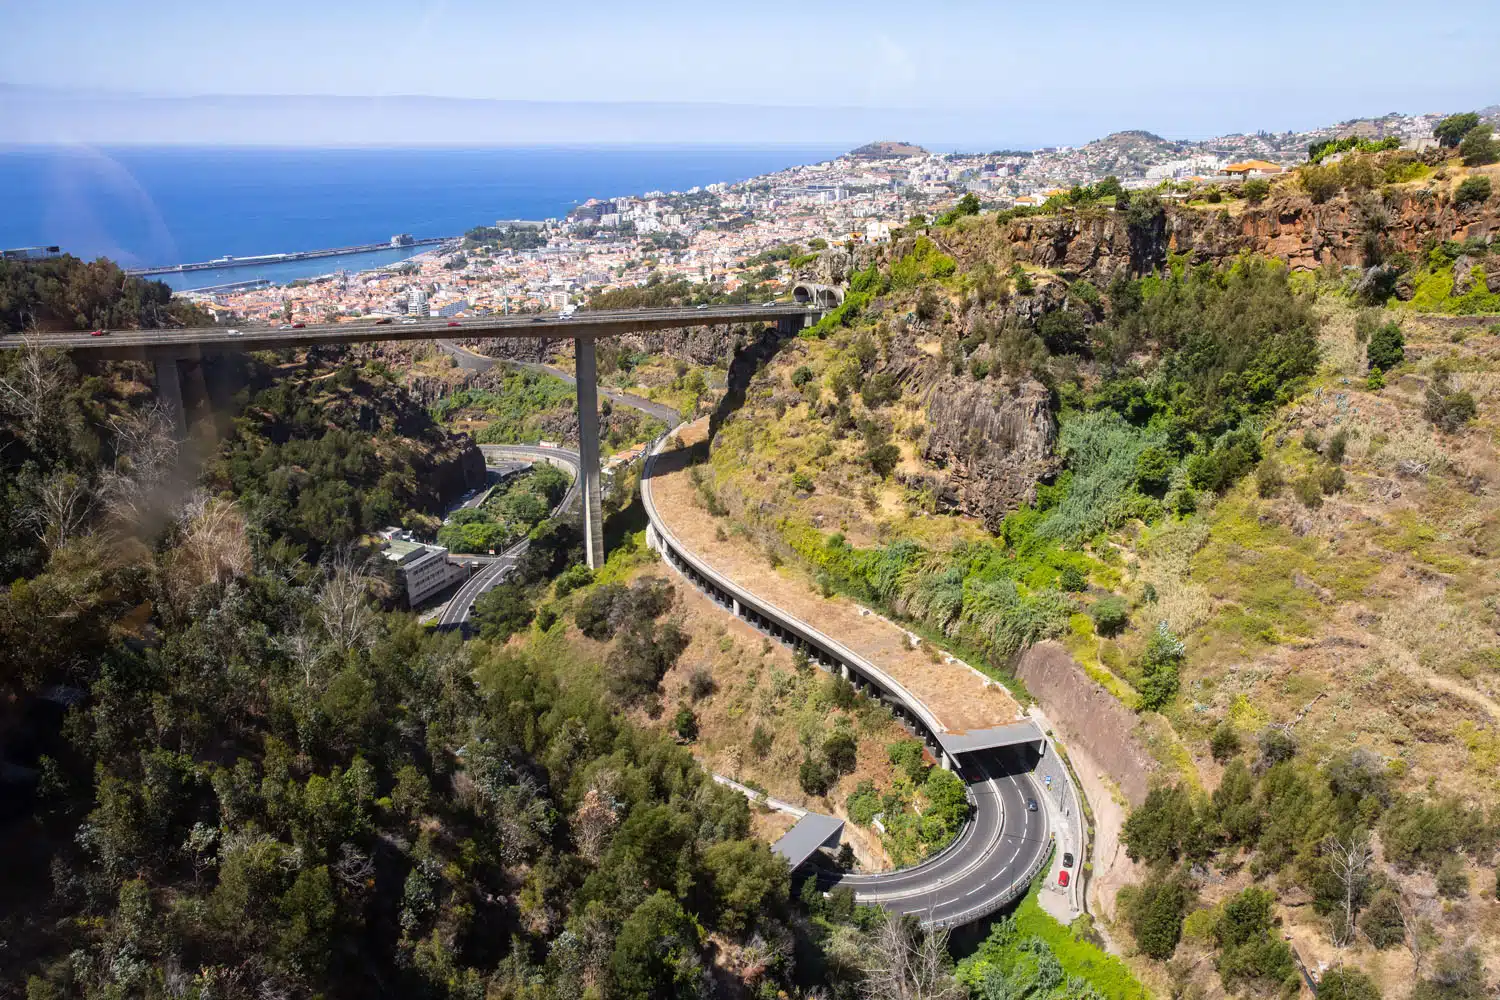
(991, 441)
(1097, 244)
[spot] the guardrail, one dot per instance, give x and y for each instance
(1012, 892)
(786, 626)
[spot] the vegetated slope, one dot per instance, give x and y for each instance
(64, 293)
(229, 771)
(323, 457)
(1277, 559)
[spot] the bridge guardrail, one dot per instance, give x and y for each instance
(1012, 892)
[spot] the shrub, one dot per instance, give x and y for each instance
(1159, 665)
(1110, 614)
(839, 754)
(1309, 491)
(760, 742)
(802, 482)
(1276, 745)
(1452, 878)
(1472, 190)
(572, 578)
(813, 776)
(1337, 445)
(1225, 742)
(1320, 183)
(1071, 581)
(1478, 147)
(802, 376)
(1330, 479)
(863, 804)
(1268, 479)
(1155, 914)
(701, 684)
(685, 723)
(1347, 983)
(1448, 410)
(1247, 948)
(908, 758)
(1255, 190)
(1381, 922)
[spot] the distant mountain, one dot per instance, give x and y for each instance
(885, 150)
(1126, 154)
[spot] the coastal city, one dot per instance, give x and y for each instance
(736, 238)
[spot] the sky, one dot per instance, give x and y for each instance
(983, 74)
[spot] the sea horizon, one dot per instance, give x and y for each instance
(163, 205)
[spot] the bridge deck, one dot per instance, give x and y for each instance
(136, 344)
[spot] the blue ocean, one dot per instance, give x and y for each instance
(162, 206)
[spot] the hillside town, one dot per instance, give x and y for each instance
(737, 239)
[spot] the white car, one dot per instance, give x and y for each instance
(234, 333)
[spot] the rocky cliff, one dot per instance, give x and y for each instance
(1096, 244)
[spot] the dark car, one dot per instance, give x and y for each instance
(383, 322)
(1031, 805)
(299, 326)
(539, 319)
(1067, 860)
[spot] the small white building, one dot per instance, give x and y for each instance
(424, 569)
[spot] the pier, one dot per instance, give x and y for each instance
(282, 258)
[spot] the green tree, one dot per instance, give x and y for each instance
(1155, 913)
(1255, 190)
(1386, 348)
(1159, 666)
(502, 611)
(1451, 130)
(747, 882)
(1110, 614)
(839, 750)
(1225, 742)
(656, 952)
(1472, 191)
(1478, 147)
(685, 724)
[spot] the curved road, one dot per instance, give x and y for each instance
(456, 612)
(999, 851)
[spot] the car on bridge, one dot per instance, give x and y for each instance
(99, 333)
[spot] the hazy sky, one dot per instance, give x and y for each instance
(1183, 70)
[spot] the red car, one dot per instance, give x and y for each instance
(299, 326)
(453, 322)
(383, 322)
(99, 333)
(1062, 877)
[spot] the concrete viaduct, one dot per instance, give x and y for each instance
(166, 350)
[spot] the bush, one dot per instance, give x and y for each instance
(685, 723)
(1268, 479)
(572, 578)
(1225, 742)
(802, 376)
(760, 742)
(1309, 491)
(1320, 183)
(1276, 745)
(1247, 948)
(1330, 479)
(1347, 983)
(1448, 410)
(1155, 914)
(1478, 147)
(1472, 190)
(1110, 615)
(1159, 665)
(813, 776)
(1452, 878)
(701, 684)
(839, 754)
(1381, 922)
(1337, 446)
(863, 804)
(1255, 190)
(1071, 581)
(908, 758)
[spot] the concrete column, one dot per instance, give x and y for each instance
(736, 607)
(169, 391)
(844, 671)
(586, 375)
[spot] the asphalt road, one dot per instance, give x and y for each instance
(1001, 842)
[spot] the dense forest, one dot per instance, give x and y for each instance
(65, 293)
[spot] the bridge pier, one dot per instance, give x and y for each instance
(586, 377)
(169, 390)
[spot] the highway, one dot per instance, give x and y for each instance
(138, 344)
(999, 851)
(461, 605)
